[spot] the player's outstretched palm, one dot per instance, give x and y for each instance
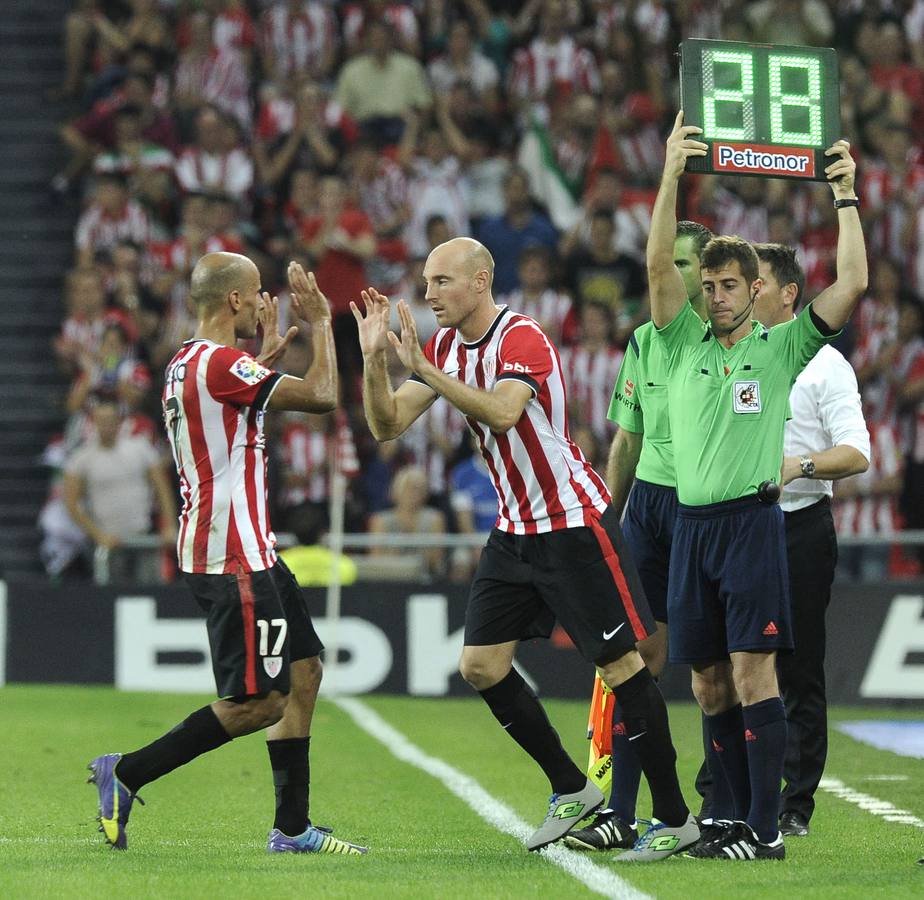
(308, 300)
(408, 345)
(681, 146)
(373, 326)
(274, 344)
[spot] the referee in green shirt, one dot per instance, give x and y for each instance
(728, 400)
(641, 451)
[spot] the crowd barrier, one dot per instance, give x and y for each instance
(399, 638)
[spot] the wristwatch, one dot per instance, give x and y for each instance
(807, 464)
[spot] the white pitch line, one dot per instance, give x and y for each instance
(600, 879)
(873, 805)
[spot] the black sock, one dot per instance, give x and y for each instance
(291, 777)
(649, 735)
(196, 734)
(721, 798)
(626, 770)
(765, 739)
(518, 709)
(726, 733)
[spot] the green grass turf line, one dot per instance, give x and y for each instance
(850, 854)
(203, 830)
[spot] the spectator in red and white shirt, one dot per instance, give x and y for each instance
(536, 298)
(867, 504)
(308, 132)
(877, 346)
(339, 240)
(380, 187)
(206, 73)
(437, 185)
(590, 370)
(214, 162)
(893, 190)
(233, 29)
(553, 64)
(298, 37)
(400, 18)
(85, 301)
(463, 63)
(110, 218)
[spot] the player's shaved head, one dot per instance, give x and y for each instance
(469, 255)
(218, 274)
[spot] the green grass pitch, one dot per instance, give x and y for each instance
(203, 830)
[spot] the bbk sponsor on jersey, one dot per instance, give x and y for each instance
(755, 159)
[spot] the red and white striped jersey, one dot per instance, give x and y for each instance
(431, 441)
(220, 77)
(99, 230)
(298, 43)
(233, 29)
(214, 400)
(309, 453)
(552, 309)
(230, 173)
(891, 192)
(399, 17)
(868, 512)
(590, 376)
(542, 479)
(541, 67)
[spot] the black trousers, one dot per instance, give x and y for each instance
(811, 546)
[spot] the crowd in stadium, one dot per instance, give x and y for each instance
(356, 136)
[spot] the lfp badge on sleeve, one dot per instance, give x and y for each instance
(765, 109)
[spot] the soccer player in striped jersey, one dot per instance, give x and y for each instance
(556, 552)
(264, 647)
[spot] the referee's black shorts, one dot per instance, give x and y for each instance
(258, 622)
(582, 577)
(648, 527)
(729, 581)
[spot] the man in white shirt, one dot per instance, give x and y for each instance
(111, 486)
(826, 439)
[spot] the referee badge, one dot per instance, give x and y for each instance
(746, 396)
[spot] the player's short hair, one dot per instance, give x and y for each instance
(212, 278)
(700, 234)
(784, 266)
(730, 248)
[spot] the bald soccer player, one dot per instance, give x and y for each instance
(556, 552)
(264, 646)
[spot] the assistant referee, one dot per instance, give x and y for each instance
(728, 401)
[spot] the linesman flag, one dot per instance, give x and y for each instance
(600, 735)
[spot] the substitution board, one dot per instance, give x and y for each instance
(765, 109)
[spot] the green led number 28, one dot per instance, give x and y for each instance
(794, 93)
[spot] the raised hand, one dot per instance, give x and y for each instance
(408, 345)
(308, 301)
(274, 344)
(373, 327)
(842, 172)
(681, 146)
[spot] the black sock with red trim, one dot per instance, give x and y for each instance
(648, 733)
(198, 733)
